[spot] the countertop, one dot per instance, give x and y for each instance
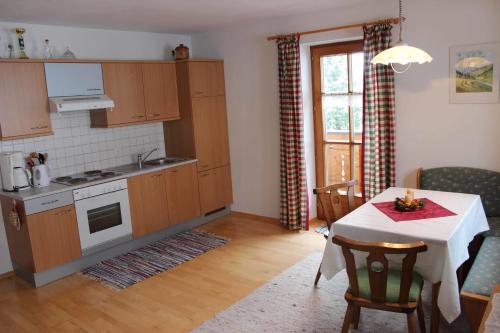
(53, 188)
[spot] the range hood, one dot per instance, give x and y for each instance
(75, 86)
(76, 103)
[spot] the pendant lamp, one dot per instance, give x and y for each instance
(401, 53)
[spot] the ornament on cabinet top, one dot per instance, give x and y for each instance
(181, 52)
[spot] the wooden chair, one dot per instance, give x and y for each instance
(330, 201)
(378, 287)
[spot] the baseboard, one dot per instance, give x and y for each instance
(7, 275)
(255, 217)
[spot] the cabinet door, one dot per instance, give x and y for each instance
(215, 189)
(160, 91)
(210, 131)
(23, 94)
(206, 78)
(123, 84)
(182, 193)
(148, 203)
(54, 237)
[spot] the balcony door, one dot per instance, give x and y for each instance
(337, 73)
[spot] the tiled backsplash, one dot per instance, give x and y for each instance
(75, 147)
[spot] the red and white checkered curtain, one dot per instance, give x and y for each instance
(379, 114)
(294, 201)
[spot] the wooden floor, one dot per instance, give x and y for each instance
(174, 301)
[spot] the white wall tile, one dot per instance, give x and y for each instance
(75, 147)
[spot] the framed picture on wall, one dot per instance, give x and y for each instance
(474, 73)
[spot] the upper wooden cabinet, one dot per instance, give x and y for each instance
(202, 132)
(24, 103)
(206, 78)
(148, 203)
(160, 91)
(210, 131)
(142, 92)
(123, 83)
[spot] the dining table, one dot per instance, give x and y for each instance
(447, 224)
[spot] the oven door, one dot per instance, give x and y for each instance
(103, 221)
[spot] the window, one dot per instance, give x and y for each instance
(338, 111)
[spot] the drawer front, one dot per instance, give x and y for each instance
(48, 202)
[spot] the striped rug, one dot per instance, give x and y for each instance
(127, 269)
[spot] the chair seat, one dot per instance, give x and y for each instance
(393, 283)
(485, 272)
(494, 223)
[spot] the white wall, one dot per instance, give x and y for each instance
(75, 146)
(430, 131)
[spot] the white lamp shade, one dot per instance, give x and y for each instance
(401, 54)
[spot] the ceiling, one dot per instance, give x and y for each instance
(184, 16)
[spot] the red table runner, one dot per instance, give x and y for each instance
(431, 210)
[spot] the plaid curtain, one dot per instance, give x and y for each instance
(379, 115)
(294, 200)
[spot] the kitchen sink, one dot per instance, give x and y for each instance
(164, 161)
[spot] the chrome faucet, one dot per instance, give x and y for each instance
(141, 158)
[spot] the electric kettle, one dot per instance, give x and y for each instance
(41, 176)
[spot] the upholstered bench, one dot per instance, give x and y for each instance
(482, 269)
(483, 275)
(485, 183)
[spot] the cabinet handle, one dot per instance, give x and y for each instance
(64, 212)
(156, 176)
(204, 175)
(172, 171)
(39, 127)
(204, 166)
(49, 202)
(138, 116)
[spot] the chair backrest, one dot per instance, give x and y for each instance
(330, 200)
(378, 265)
(485, 183)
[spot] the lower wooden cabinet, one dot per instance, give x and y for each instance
(182, 193)
(148, 203)
(54, 237)
(215, 188)
(45, 240)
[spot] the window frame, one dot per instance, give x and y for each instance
(318, 51)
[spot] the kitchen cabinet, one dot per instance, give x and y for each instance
(23, 94)
(202, 131)
(182, 193)
(206, 78)
(210, 131)
(123, 83)
(160, 91)
(215, 189)
(148, 203)
(54, 237)
(45, 240)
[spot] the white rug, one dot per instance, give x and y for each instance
(291, 303)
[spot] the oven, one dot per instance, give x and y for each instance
(103, 215)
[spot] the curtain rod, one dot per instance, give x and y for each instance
(393, 20)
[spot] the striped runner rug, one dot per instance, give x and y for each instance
(127, 269)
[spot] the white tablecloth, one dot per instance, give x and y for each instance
(447, 239)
